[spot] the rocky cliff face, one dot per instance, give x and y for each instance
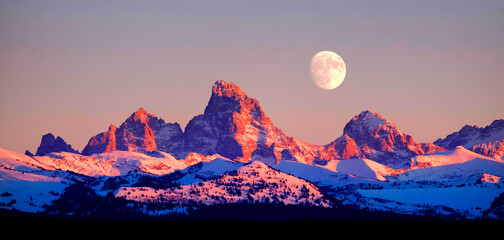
(135, 134)
(51, 144)
(102, 142)
(490, 149)
(469, 136)
(141, 132)
(343, 147)
(380, 139)
(487, 141)
(233, 125)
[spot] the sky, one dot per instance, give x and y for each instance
(72, 68)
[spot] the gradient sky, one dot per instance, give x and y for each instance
(74, 67)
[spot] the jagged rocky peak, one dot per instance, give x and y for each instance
(235, 126)
(141, 118)
(469, 136)
(343, 147)
(227, 98)
(232, 125)
(49, 144)
(372, 117)
(468, 128)
(380, 140)
(368, 123)
(495, 128)
(367, 115)
(226, 89)
(140, 115)
(140, 132)
(135, 134)
(102, 142)
(487, 141)
(112, 127)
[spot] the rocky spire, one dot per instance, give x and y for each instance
(50, 144)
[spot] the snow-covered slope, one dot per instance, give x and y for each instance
(459, 164)
(254, 182)
(470, 171)
(321, 176)
(17, 161)
(470, 201)
(113, 163)
(214, 180)
(28, 192)
(458, 155)
(207, 170)
(104, 164)
(363, 168)
(26, 184)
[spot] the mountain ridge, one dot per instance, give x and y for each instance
(488, 140)
(235, 126)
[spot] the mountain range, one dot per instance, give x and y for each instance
(234, 126)
(233, 154)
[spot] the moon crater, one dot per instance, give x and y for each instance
(328, 70)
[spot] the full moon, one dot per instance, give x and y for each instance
(327, 70)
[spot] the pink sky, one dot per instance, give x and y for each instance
(73, 68)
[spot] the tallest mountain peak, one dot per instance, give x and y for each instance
(228, 97)
(222, 83)
(226, 89)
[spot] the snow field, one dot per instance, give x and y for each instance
(474, 199)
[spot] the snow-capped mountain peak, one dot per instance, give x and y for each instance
(381, 140)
